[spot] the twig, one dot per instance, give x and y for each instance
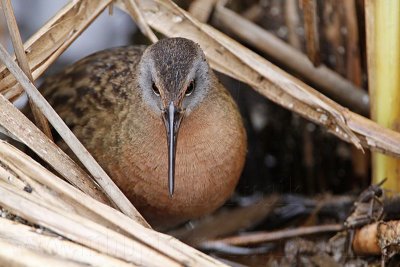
(109, 187)
(263, 237)
(329, 81)
(23, 62)
(311, 31)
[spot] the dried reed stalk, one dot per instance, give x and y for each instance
(23, 62)
(366, 240)
(73, 205)
(25, 131)
(92, 217)
(329, 81)
(47, 44)
(13, 255)
(311, 30)
(245, 66)
(202, 9)
(379, 238)
(264, 237)
(383, 35)
(30, 238)
(80, 229)
(137, 15)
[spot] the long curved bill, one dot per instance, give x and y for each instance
(172, 117)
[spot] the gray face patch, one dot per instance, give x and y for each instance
(146, 79)
(200, 75)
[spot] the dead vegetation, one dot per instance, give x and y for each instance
(46, 219)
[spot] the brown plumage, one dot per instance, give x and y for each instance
(118, 103)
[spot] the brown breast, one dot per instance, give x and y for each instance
(210, 157)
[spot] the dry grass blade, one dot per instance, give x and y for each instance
(23, 61)
(13, 255)
(231, 58)
(133, 9)
(67, 197)
(80, 229)
(202, 9)
(46, 45)
(263, 237)
(25, 131)
(109, 187)
(26, 236)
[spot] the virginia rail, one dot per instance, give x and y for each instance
(127, 106)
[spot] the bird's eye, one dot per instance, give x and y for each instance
(190, 88)
(155, 89)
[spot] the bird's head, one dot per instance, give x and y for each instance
(174, 77)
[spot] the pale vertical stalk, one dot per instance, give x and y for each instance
(383, 50)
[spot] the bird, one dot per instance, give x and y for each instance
(159, 122)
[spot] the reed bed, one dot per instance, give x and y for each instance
(79, 219)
